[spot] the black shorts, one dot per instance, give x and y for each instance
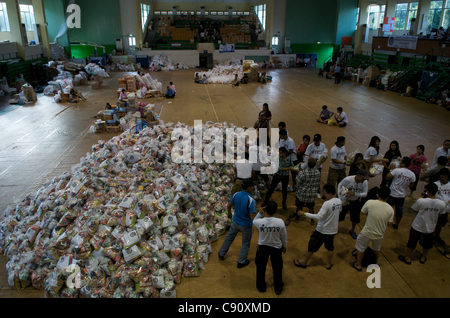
(299, 204)
(317, 239)
(354, 207)
(414, 237)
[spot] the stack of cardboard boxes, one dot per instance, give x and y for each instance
(164, 28)
(182, 34)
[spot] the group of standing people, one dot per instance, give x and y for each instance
(342, 195)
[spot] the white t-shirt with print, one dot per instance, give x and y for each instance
(289, 144)
(378, 215)
(428, 213)
(338, 153)
(402, 178)
(314, 152)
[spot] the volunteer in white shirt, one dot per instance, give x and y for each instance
(338, 155)
(315, 150)
(244, 170)
(401, 178)
(379, 215)
(443, 194)
(357, 187)
(261, 156)
(441, 151)
(428, 211)
(288, 143)
(341, 117)
(272, 243)
(327, 227)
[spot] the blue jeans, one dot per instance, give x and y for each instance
(231, 235)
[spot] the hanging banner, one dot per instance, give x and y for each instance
(403, 42)
(388, 24)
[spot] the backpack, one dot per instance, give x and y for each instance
(369, 257)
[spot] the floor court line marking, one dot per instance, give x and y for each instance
(217, 118)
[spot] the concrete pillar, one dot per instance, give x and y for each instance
(363, 15)
(15, 24)
(39, 17)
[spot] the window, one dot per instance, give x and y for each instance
(261, 14)
(4, 22)
(401, 10)
(157, 12)
(145, 11)
(382, 13)
(274, 40)
(446, 16)
(374, 14)
(213, 12)
(434, 16)
(27, 15)
(357, 20)
(132, 41)
(412, 13)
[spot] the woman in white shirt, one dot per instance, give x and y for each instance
(370, 156)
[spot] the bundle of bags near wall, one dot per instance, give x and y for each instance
(126, 222)
(224, 73)
(161, 62)
(143, 86)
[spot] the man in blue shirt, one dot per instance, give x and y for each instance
(245, 210)
(170, 93)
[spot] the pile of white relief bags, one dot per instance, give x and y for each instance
(126, 222)
(224, 73)
(161, 62)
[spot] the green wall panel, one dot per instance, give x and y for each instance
(54, 14)
(311, 21)
(348, 11)
(82, 51)
(100, 21)
(324, 51)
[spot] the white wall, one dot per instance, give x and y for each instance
(127, 20)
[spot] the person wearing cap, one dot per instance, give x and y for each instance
(338, 155)
(443, 194)
(379, 216)
(245, 209)
(243, 169)
(357, 187)
(282, 175)
(428, 211)
(315, 150)
(401, 178)
(288, 143)
(327, 227)
(272, 243)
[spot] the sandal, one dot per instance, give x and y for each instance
(352, 264)
(284, 206)
(296, 219)
(403, 259)
(329, 267)
(287, 222)
(420, 260)
(299, 265)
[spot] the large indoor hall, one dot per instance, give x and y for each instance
(44, 140)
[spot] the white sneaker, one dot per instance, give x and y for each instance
(318, 195)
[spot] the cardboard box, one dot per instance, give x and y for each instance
(121, 114)
(100, 130)
(64, 98)
(113, 129)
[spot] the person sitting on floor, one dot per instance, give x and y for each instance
(235, 82)
(328, 75)
(196, 78)
(320, 72)
(108, 106)
(170, 93)
(172, 87)
(123, 95)
(437, 98)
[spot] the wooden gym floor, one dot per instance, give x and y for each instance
(42, 140)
